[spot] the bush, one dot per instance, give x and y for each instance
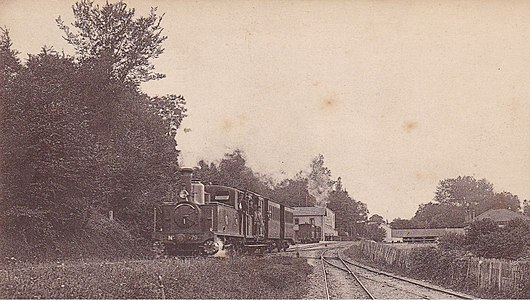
(486, 239)
(452, 241)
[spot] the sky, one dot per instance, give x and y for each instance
(397, 95)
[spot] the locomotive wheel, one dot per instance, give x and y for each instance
(210, 247)
(158, 249)
(285, 246)
(279, 246)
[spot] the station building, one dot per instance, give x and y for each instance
(322, 217)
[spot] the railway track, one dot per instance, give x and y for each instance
(397, 282)
(360, 290)
(344, 278)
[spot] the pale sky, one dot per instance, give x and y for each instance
(397, 95)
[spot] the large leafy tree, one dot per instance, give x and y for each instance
(456, 201)
(436, 215)
(293, 192)
(463, 191)
(505, 200)
(47, 150)
(112, 32)
(349, 213)
(78, 139)
(171, 109)
(233, 171)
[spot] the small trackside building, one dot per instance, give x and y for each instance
(319, 216)
(420, 235)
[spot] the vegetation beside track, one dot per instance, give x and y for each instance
(444, 268)
(242, 277)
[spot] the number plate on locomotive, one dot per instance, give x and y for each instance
(182, 237)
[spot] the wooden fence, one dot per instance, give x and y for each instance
(497, 275)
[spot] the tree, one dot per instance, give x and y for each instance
(436, 215)
(457, 199)
(349, 213)
(293, 192)
(376, 219)
(111, 32)
(399, 223)
(207, 173)
(46, 151)
(505, 200)
(465, 190)
(9, 62)
(233, 171)
(171, 109)
(78, 138)
(479, 228)
(374, 232)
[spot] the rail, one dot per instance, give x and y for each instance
(326, 286)
(347, 270)
(433, 288)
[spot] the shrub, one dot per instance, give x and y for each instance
(486, 239)
(452, 241)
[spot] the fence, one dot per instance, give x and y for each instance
(497, 276)
(501, 275)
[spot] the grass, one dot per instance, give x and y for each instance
(242, 277)
(411, 246)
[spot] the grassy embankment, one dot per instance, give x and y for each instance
(242, 277)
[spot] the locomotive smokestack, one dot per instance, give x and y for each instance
(185, 179)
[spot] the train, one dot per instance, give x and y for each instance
(308, 233)
(205, 219)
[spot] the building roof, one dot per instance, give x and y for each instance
(309, 211)
(429, 232)
(501, 215)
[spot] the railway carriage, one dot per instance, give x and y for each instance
(308, 233)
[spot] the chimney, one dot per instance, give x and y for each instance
(185, 179)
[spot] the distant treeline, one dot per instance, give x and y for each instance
(456, 199)
(308, 188)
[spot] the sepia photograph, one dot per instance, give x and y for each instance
(250, 149)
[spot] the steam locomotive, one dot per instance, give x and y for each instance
(206, 219)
